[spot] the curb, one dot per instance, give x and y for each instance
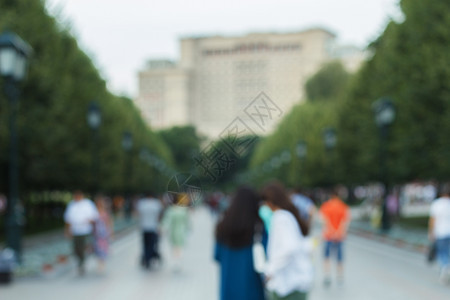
(380, 237)
(63, 263)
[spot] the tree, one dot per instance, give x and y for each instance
(411, 66)
(184, 143)
(328, 83)
(55, 143)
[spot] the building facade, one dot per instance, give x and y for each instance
(217, 77)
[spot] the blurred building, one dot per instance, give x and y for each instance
(217, 77)
(163, 94)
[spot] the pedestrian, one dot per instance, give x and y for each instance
(336, 216)
(149, 211)
(439, 232)
(103, 232)
(289, 269)
(80, 217)
(304, 205)
(265, 213)
(176, 224)
(235, 234)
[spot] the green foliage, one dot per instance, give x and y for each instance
(56, 143)
(305, 122)
(410, 65)
(239, 162)
(329, 82)
(184, 143)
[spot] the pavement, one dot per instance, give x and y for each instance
(196, 277)
(49, 254)
(415, 239)
(373, 270)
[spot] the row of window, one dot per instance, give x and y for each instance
(250, 48)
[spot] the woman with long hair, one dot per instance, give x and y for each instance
(235, 234)
(289, 272)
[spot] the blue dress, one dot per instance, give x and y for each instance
(238, 279)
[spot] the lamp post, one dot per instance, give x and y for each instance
(127, 145)
(330, 140)
(13, 62)
(286, 156)
(301, 151)
(94, 120)
(384, 111)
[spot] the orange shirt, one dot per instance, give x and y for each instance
(335, 213)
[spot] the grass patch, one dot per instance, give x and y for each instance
(413, 222)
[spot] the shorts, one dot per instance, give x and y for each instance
(336, 248)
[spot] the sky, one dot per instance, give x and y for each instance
(121, 35)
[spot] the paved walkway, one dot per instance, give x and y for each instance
(125, 279)
(373, 271)
(412, 238)
(50, 253)
(416, 239)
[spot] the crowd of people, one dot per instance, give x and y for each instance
(282, 221)
(274, 219)
(89, 225)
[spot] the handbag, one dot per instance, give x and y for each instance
(431, 254)
(259, 254)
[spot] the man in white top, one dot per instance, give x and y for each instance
(80, 217)
(439, 231)
(150, 211)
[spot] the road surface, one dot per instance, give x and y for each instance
(373, 271)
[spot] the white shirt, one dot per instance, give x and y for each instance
(440, 211)
(289, 264)
(149, 211)
(80, 215)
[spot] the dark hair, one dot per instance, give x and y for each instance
(237, 226)
(150, 194)
(275, 193)
(444, 190)
(334, 192)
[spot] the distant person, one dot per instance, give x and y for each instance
(439, 231)
(3, 203)
(80, 217)
(235, 234)
(289, 267)
(304, 205)
(265, 213)
(214, 201)
(336, 217)
(149, 211)
(103, 231)
(176, 225)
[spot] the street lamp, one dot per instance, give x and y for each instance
(330, 140)
(286, 156)
(384, 111)
(144, 154)
(127, 141)
(13, 64)
(301, 149)
(94, 120)
(127, 145)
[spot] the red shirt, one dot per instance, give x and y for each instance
(335, 213)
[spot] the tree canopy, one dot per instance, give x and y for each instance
(410, 64)
(56, 142)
